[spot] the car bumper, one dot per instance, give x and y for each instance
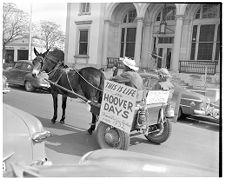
(44, 85)
(199, 112)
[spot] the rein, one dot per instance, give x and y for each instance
(87, 81)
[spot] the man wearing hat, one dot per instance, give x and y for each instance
(130, 75)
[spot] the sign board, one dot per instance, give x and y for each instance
(118, 105)
(157, 96)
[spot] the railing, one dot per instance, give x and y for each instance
(112, 61)
(197, 67)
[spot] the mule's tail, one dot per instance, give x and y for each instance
(101, 87)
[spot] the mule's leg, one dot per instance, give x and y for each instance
(55, 108)
(64, 103)
(93, 124)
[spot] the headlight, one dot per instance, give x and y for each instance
(192, 104)
(202, 106)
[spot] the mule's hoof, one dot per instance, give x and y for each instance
(90, 131)
(62, 122)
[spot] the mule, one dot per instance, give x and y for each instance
(87, 82)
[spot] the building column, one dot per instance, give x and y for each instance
(15, 54)
(138, 41)
(105, 45)
(146, 45)
(177, 43)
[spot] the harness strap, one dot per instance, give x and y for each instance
(88, 81)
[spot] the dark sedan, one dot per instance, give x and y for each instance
(20, 74)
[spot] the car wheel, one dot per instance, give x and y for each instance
(28, 86)
(181, 115)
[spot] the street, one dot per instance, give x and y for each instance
(193, 142)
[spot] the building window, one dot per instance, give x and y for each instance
(85, 8)
(83, 42)
(128, 39)
(169, 13)
(205, 43)
(130, 17)
(208, 11)
(128, 36)
(204, 39)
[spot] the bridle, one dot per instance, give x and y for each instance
(52, 72)
(52, 59)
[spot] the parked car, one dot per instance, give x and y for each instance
(21, 74)
(116, 163)
(192, 104)
(23, 139)
(5, 85)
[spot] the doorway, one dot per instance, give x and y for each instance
(164, 51)
(164, 57)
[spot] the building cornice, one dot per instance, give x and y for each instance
(83, 22)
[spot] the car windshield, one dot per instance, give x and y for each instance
(18, 65)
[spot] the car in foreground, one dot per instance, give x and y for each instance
(23, 139)
(20, 74)
(116, 163)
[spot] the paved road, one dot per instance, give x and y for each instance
(193, 142)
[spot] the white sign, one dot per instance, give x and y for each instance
(157, 97)
(118, 105)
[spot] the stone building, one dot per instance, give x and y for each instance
(154, 34)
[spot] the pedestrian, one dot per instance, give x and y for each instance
(130, 75)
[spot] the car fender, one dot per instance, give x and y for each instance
(33, 80)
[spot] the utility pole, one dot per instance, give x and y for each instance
(30, 34)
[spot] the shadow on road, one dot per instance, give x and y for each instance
(37, 91)
(200, 124)
(76, 143)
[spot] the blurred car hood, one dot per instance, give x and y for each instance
(114, 163)
(33, 124)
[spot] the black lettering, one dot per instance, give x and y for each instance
(106, 97)
(130, 105)
(112, 109)
(124, 104)
(115, 100)
(120, 102)
(110, 99)
(106, 106)
(125, 114)
(118, 111)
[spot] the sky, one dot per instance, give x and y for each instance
(54, 11)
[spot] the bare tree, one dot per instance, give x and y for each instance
(15, 24)
(51, 35)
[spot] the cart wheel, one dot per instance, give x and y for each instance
(28, 86)
(162, 135)
(111, 137)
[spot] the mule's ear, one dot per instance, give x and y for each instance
(36, 52)
(47, 51)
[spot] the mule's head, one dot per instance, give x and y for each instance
(39, 62)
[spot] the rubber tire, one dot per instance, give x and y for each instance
(124, 137)
(155, 138)
(28, 86)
